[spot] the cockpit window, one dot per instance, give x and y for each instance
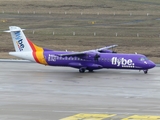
(143, 59)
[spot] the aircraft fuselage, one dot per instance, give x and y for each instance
(106, 60)
(84, 60)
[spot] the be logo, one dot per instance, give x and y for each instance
(122, 61)
(19, 40)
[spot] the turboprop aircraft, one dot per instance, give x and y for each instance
(86, 60)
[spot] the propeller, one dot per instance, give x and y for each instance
(96, 57)
(113, 50)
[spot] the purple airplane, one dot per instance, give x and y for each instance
(86, 60)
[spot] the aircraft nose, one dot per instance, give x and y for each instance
(151, 64)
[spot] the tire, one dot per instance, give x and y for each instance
(145, 71)
(82, 70)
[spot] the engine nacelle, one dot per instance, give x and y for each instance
(92, 56)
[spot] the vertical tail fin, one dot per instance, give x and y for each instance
(19, 39)
(24, 48)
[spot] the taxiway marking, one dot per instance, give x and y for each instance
(142, 117)
(83, 116)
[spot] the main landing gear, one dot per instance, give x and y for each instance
(82, 70)
(90, 70)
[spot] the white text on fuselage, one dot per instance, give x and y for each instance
(122, 62)
(51, 57)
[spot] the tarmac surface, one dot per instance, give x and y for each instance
(29, 91)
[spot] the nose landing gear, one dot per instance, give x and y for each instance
(145, 71)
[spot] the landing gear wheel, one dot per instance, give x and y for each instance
(145, 71)
(82, 70)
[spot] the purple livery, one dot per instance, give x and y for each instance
(86, 60)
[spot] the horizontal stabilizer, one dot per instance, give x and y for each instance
(8, 31)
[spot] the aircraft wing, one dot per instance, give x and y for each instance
(83, 53)
(107, 47)
(73, 54)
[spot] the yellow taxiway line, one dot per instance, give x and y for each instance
(83, 116)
